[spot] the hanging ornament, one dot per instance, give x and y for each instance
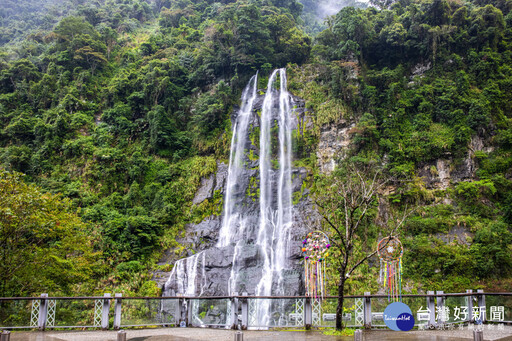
(315, 250)
(390, 251)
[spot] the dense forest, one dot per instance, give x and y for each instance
(114, 110)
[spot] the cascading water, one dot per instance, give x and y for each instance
(232, 220)
(285, 204)
(233, 223)
(254, 232)
(275, 211)
(184, 274)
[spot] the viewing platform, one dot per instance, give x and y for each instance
(200, 334)
(438, 316)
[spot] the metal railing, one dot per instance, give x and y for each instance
(430, 310)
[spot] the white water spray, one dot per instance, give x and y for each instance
(184, 274)
(231, 219)
(271, 235)
(275, 211)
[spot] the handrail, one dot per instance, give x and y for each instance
(177, 310)
(251, 297)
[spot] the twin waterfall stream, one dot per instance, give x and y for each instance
(267, 230)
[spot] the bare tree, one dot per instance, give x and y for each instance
(347, 200)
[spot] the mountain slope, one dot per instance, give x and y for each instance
(125, 106)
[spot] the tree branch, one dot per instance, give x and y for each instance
(391, 233)
(335, 229)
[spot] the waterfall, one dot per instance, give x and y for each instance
(204, 282)
(252, 248)
(235, 267)
(184, 274)
(233, 223)
(284, 189)
(275, 212)
(266, 214)
(191, 274)
(231, 218)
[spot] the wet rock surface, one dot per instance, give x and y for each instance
(459, 234)
(211, 184)
(205, 191)
(244, 257)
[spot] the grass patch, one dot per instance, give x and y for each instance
(344, 332)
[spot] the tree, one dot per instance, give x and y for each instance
(353, 31)
(91, 58)
(44, 244)
(211, 107)
(71, 27)
(109, 36)
(382, 4)
(18, 75)
(347, 201)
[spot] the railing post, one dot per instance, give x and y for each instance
(308, 313)
(367, 314)
(478, 335)
(234, 310)
(358, 335)
(481, 305)
(245, 311)
(189, 309)
(431, 307)
(105, 311)
(117, 311)
(470, 305)
(43, 312)
(177, 313)
(440, 305)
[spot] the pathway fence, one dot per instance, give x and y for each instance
(431, 310)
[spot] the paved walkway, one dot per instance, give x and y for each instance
(200, 334)
(175, 334)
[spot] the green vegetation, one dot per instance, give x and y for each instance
(44, 244)
(424, 81)
(344, 332)
(121, 107)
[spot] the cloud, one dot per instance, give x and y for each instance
(327, 8)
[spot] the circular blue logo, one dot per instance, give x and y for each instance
(405, 322)
(398, 316)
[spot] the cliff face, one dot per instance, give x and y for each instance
(444, 220)
(332, 145)
(442, 173)
(216, 266)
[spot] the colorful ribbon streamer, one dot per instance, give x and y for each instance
(315, 250)
(390, 251)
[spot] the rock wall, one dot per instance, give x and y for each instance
(442, 173)
(333, 142)
(215, 264)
